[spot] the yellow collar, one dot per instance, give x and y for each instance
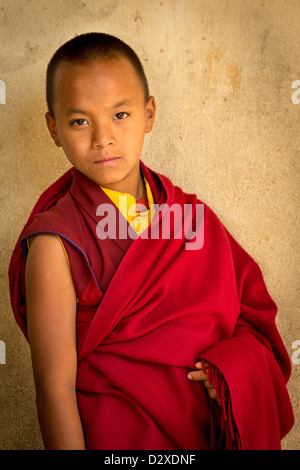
(126, 203)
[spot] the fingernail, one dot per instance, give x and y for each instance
(190, 377)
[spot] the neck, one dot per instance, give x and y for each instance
(133, 184)
(141, 189)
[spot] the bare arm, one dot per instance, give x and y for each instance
(51, 316)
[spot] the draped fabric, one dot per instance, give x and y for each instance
(149, 307)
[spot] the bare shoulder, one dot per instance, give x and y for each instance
(46, 256)
(48, 272)
(45, 247)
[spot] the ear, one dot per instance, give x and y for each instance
(50, 121)
(150, 114)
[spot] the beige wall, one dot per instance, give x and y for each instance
(227, 129)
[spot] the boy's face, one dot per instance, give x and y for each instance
(100, 120)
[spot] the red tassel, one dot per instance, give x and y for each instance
(203, 367)
(223, 430)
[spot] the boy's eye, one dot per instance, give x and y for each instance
(79, 122)
(120, 116)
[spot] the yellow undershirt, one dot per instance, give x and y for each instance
(126, 203)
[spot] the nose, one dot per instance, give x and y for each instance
(102, 136)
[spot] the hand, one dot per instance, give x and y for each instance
(199, 375)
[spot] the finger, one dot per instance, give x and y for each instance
(207, 384)
(197, 375)
(199, 365)
(212, 393)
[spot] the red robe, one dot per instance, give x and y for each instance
(148, 309)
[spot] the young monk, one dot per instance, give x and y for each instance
(143, 335)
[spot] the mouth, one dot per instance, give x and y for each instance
(109, 160)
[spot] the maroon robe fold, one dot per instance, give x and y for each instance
(148, 309)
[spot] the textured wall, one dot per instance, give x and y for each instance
(226, 128)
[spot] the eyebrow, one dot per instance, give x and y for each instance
(70, 111)
(74, 111)
(125, 102)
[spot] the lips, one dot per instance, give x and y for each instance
(109, 160)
